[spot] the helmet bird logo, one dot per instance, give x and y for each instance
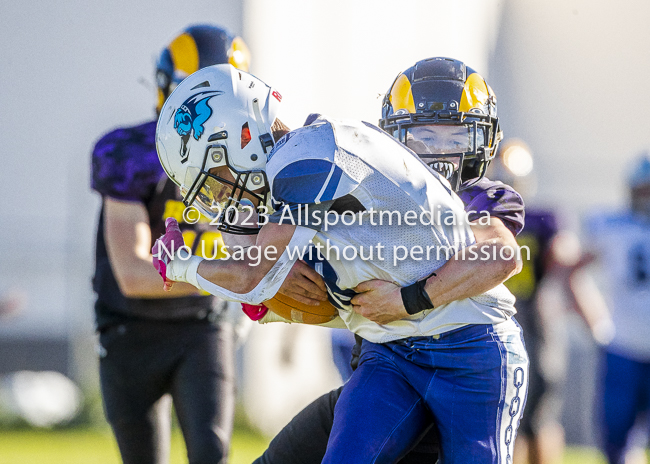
(190, 117)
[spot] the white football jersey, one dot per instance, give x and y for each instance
(396, 220)
(623, 246)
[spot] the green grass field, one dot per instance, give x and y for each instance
(90, 446)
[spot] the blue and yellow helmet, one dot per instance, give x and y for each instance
(196, 47)
(446, 113)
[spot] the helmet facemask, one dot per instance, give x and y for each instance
(233, 199)
(456, 145)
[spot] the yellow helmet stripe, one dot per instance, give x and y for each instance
(185, 54)
(475, 93)
(238, 55)
(401, 96)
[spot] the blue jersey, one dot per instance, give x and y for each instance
(621, 241)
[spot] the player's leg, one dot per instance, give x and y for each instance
(203, 389)
(378, 416)
(342, 343)
(304, 439)
(133, 379)
(525, 449)
(426, 451)
(478, 392)
(622, 385)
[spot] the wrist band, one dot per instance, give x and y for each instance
(415, 298)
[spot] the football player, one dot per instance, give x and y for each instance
(304, 439)
(621, 243)
(155, 344)
(464, 361)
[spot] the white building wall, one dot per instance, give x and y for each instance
(70, 72)
(339, 57)
(571, 78)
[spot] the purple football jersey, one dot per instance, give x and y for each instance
(496, 198)
(125, 164)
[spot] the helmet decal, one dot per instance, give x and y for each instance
(184, 54)
(475, 94)
(401, 96)
(190, 117)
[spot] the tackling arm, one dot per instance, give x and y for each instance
(460, 278)
(465, 277)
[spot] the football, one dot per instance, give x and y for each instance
(299, 312)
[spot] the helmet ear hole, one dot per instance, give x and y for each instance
(245, 135)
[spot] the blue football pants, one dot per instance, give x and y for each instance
(472, 380)
(626, 393)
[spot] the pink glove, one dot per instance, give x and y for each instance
(254, 312)
(166, 246)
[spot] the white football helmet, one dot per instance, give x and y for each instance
(213, 137)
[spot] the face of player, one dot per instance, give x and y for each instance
(220, 191)
(442, 139)
(432, 142)
(216, 190)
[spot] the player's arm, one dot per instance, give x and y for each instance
(568, 263)
(465, 276)
(302, 283)
(243, 275)
(128, 241)
(252, 276)
(461, 277)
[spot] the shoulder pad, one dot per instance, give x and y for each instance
(302, 167)
(125, 164)
(311, 181)
(311, 118)
(498, 200)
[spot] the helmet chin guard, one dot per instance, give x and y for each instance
(213, 136)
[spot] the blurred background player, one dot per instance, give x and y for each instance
(621, 242)
(156, 346)
(550, 285)
(439, 144)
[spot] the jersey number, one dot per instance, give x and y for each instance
(638, 265)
